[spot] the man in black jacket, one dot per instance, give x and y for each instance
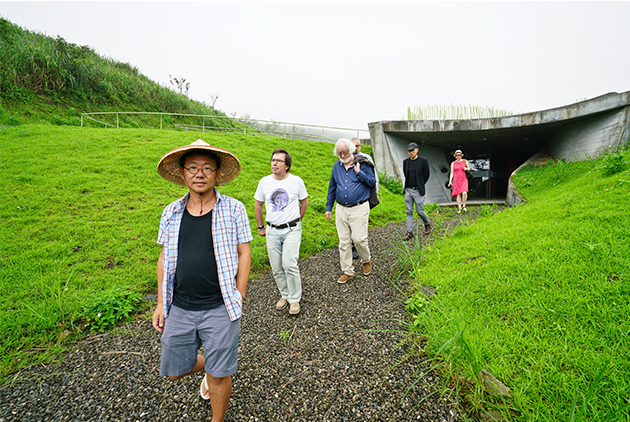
(416, 172)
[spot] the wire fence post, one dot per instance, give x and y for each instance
(285, 131)
(322, 134)
(160, 121)
(81, 119)
(203, 124)
(117, 124)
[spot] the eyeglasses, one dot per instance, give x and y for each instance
(207, 170)
(343, 153)
(274, 160)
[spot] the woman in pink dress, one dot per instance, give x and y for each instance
(458, 180)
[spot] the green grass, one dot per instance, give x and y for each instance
(80, 210)
(539, 296)
(48, 80)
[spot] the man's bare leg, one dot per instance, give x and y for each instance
(220, 391)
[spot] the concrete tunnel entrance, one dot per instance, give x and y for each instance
(493, 156)
(496, 147)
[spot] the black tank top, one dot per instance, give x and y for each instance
(196, 277)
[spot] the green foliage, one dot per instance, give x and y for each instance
(392, 184)
(106, 309)
(285, 335)
(317, 204)
(613, 162)
(488, 210)
(7, 119)
(538, 295)
(416, 305)
(431, 207)
(45, 79)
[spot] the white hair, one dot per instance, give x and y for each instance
(350, 145)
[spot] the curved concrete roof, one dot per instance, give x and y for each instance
(487, 132)
(572, 132)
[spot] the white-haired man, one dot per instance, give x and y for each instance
(350, 185)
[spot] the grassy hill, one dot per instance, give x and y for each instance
(48, 80)
(539, 296)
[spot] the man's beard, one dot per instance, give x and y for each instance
(345, 160)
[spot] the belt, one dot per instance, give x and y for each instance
(354, 205)
(413, 187)
(286, 225)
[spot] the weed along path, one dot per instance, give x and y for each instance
(341, 359)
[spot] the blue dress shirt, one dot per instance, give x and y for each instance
(348, 187)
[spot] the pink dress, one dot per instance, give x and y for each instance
(460, 183)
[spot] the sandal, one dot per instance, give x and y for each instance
(204, 385)
(465, 210)
(459, 211)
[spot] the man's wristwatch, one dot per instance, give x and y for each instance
(260, 228)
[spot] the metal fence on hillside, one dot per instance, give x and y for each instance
(243, 125)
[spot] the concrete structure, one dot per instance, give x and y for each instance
(498, 146)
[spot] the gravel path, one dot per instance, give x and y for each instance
(336, 363)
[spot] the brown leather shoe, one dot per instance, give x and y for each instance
(409, 235)
(427, 229)
(344, 278)
(367, 268)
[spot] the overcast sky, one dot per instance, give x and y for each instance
(349, 63)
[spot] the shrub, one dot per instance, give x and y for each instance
(318, 204)
(104, 310)
(392, 184)
(613, 162)
(430, 207)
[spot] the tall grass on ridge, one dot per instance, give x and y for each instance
(454, 112)
(42, 77)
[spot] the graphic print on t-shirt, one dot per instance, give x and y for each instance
(279, 199)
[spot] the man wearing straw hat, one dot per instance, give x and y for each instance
(285, 199)
(202, 271)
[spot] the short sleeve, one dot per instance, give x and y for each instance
(260, 194)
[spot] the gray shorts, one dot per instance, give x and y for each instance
(185, 332)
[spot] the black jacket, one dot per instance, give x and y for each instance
(421, 176)
(373, 195)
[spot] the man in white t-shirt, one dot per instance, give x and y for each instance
(285, 199)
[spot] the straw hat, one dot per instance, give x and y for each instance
(168, 167)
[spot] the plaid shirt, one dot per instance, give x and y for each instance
(230, 226)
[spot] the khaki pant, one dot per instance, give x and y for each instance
(352, 227)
